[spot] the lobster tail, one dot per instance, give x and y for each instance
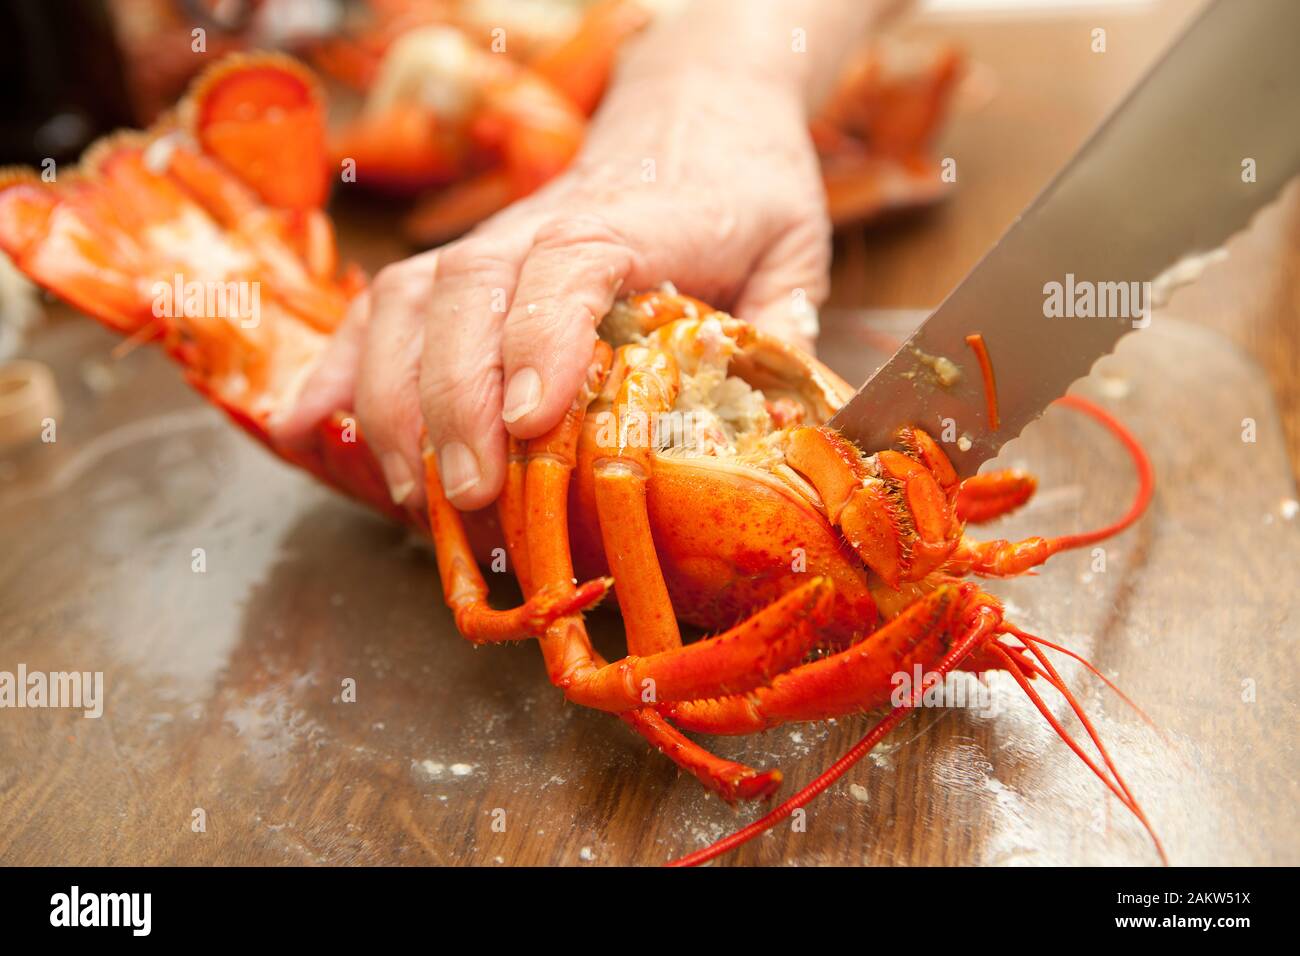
(262, 117)
(204, 233)
(225, 190)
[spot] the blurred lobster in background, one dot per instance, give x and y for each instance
(468, 112)
(843, 568)
(470, 105)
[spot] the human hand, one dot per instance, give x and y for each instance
(701, 177)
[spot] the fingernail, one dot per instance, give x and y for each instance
(522, 394)
(458, 468)
(398, 474)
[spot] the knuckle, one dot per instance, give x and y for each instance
(458, 258)
(581, 229)
(543, 323)
(455, 398)
(553, 324)
(374, 393)
(386, 407)
(473, 257)
(393, 279)
(405, 278)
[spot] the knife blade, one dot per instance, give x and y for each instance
(1205, 139)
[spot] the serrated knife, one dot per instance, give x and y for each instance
(1206, 138)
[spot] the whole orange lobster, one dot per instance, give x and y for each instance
(694, 472)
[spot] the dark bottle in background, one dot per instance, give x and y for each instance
(61, 79)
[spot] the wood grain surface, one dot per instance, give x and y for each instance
(224, 687)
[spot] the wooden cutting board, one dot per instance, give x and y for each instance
(223, 688)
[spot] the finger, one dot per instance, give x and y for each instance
(329, 386)
(789, 284)
(460, 375)
(387, 385)
(568, 283)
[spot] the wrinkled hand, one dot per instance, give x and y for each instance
(698, 179)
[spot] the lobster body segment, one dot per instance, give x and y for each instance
(695, 469)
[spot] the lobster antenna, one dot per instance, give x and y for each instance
(977, 634)
(1059, 683)
(1116, 786)
(1145, 472)
(1014, 668)
(1030, 667)
(1035, 639)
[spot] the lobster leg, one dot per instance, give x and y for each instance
(466, 593)
(730, 780)
(1002, 558)
(935, 527)
(857, 679)
(649, 385)
(566, 646)
(745, 657)
(736, 660)
(978, 498)
(927, 451)
(511, 511)
(985, 497)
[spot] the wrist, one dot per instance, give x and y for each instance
(697, 118)
(710, 44)
(785, 48)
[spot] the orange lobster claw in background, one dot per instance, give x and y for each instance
(262, 117)
(403, 150)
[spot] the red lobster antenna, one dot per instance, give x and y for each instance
(1145, 473)
(981, 632)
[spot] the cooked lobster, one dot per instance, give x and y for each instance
(694, 472)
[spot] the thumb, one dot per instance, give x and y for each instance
(789, 284)
(329, 385)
